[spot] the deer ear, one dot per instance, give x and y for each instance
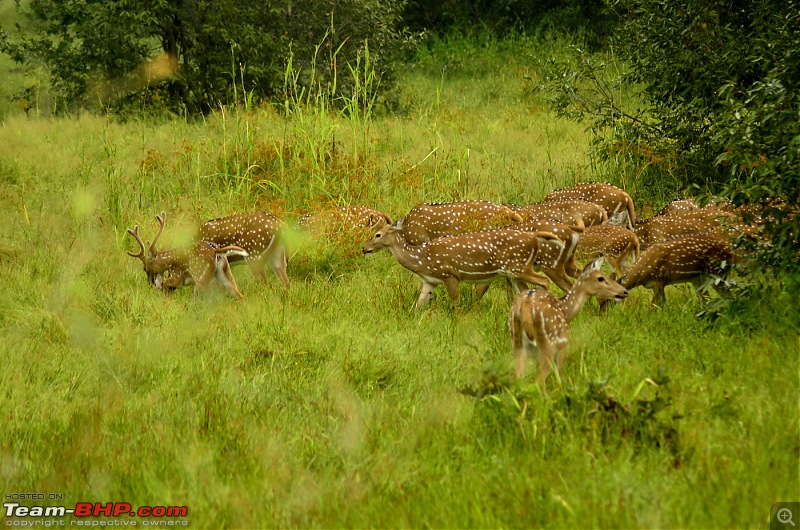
(592, 266)
(398, 225)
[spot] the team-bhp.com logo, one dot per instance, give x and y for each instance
(163, 515)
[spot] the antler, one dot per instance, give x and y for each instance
(135, 234)
(162, 219)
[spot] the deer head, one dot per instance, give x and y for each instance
(155, 262)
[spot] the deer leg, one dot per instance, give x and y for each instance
(616, 264)
(225, 277)
(559, 278)
(521, 353)
(426, 289)
(546, 358)
(532, 277)
(514, 287)
(561, 354)
(256, 265)
(278, 261)
(659, 297)
(201, 282)
(452, 289)
(571, 266)
(518, 351)
(481, 289)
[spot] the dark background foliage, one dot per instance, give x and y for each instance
(218, 45)
(719, 113)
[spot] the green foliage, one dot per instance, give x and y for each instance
(193, 56)
(499, 17)
(592, 415)
(719, 87)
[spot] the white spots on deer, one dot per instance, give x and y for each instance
(538, 321)
(692, 259)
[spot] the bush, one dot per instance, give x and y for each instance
(719, 83)
(192, 56)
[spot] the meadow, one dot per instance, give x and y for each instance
(338, 404)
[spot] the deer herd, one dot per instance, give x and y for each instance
(479, 241)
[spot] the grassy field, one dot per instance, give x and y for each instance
(338, 404)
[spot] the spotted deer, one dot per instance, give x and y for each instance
(616, 202)
(476, 257)
(679, 207)
(566, 211)
(698, 260)
(539, 321)
(346, 217)
(199, 265)
(616, 244)
(425, 222)
(260, 234)
(663, 228)
(555, 259)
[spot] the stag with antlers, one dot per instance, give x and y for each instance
(198, 265)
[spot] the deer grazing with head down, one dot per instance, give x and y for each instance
(539, 321)
(699, 260)
(476, 257)
(616, 202)
(260, 234)
(198, 265)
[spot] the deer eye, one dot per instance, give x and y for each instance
(601, 279)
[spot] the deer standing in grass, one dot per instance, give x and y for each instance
(425, 222)
(566, 211)
(616, 244)
(616, 202)
(477, 257)
(260, 234)
(556, 260)
(539, 321)
(347, 217)
(198, 265)
(663, 228)
(698, 260)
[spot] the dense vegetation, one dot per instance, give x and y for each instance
(719, 87)
(337, 404)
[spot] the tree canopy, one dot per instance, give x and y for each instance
(190, 55)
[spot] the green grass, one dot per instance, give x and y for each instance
(338, 404)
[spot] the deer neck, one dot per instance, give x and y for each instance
(407, 255)
(169, 259)
(572, 302)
